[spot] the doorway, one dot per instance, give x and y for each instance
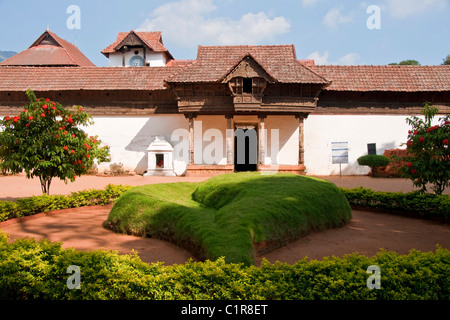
(245, 148)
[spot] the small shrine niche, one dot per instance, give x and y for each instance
(160, 162)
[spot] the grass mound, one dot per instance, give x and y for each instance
(233, 215)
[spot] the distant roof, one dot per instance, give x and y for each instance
(15, 78)
(152, 40)
(215, 62)
(399, 78)
(49, 50)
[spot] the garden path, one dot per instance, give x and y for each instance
(82, 229)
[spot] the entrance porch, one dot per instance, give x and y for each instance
(233, 143)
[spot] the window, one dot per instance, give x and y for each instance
(160, 160)
(247, 85)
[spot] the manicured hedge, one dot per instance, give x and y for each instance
(32, 269)
(44, 203)
(430, 206)
(237, 215)
(373, 160)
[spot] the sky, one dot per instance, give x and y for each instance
(350, 32)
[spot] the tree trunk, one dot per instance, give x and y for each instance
(45, 184)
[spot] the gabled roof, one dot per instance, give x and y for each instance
(151, 40)
(84, 78)
(401, 78)
(215, 62)
(49, 50)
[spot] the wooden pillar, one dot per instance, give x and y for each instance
(262, 139)
(301, 138)
(191, 118)
(229, 135)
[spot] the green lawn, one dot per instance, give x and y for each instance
(231, 215)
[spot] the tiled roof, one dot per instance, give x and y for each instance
(86, 78)
(215, 62)
(152, 40)
(386, 78)
(59, 53)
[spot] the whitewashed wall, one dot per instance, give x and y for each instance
(388, 132)
(154, 59)
(129, 138)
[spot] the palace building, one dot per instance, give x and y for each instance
(233, 108)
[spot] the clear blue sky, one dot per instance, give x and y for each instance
(332, 32)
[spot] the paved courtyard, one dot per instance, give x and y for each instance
(81, 228)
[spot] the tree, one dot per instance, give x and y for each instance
(45, 140)
(446, 61)
(406, 62)
(428, 159)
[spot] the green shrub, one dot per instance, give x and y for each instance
(232, 214)
(32, 269)
(44, 203)
(9, 210)
(373, 161)
(430, 206)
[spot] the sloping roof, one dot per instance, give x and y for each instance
(86, 78)
(153, 41)
(386, 78)
(215, 62)
(49, 50)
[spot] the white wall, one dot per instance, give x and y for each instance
(388, 132)
(130, 136)
(154, 59)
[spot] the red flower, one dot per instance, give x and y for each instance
(70, 120)
(42, 114)
(73, 136)
(44, 106)
(421, 139)
(409, 143)
(57, 135)
(416, 132)
(16, 119)
(66, 148)
(25, 110)
(79, 161)
(7, 118)
(72, 151)
(30, 118)
(445, 141)
(409, 164)
(413, 171)
(87, 156)
(47, 99)
(27, 125)
(54, 108)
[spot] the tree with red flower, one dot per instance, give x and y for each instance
(428, 160)
(31, 142)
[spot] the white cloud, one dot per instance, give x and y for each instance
(189, 22)
(406, 8)
(318, 58)
(349, 59)
(334, 18)
(322, 59)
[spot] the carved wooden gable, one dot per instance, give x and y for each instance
(131, 40)
(248, 68)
